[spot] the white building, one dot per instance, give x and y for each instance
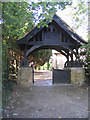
(58, 60)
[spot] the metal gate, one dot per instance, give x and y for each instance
(61, 76)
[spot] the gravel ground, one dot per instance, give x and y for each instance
(55, 101)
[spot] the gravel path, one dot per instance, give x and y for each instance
(63, 101)
(42, 78)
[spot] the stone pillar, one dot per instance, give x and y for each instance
(25, 76)
(77, 76)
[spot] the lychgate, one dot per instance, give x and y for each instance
(59, 36)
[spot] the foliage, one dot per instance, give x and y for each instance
(47, 10)
(46, 66)
(76, 16)
(14, 19)
(41, 57)
(86, 54)
(79, 14)
(5, 64)
(80, 20)
(86, 62)
(14, 25)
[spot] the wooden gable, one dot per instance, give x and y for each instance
(57, 33)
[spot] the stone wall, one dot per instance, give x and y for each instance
(77, 75)
(25, 76)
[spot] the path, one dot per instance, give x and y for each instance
(54, 101)
(42, 78)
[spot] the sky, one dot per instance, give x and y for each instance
(65, 15)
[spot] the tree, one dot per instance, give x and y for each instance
(80, 18)
(79, 14)
(41, 58)
(15, 20)
(76, 16)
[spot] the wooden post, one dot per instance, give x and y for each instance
(77, 56)
(72, 59)
(67, 58)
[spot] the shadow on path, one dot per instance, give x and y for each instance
(48, 102)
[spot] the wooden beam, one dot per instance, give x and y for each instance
(32, 49)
